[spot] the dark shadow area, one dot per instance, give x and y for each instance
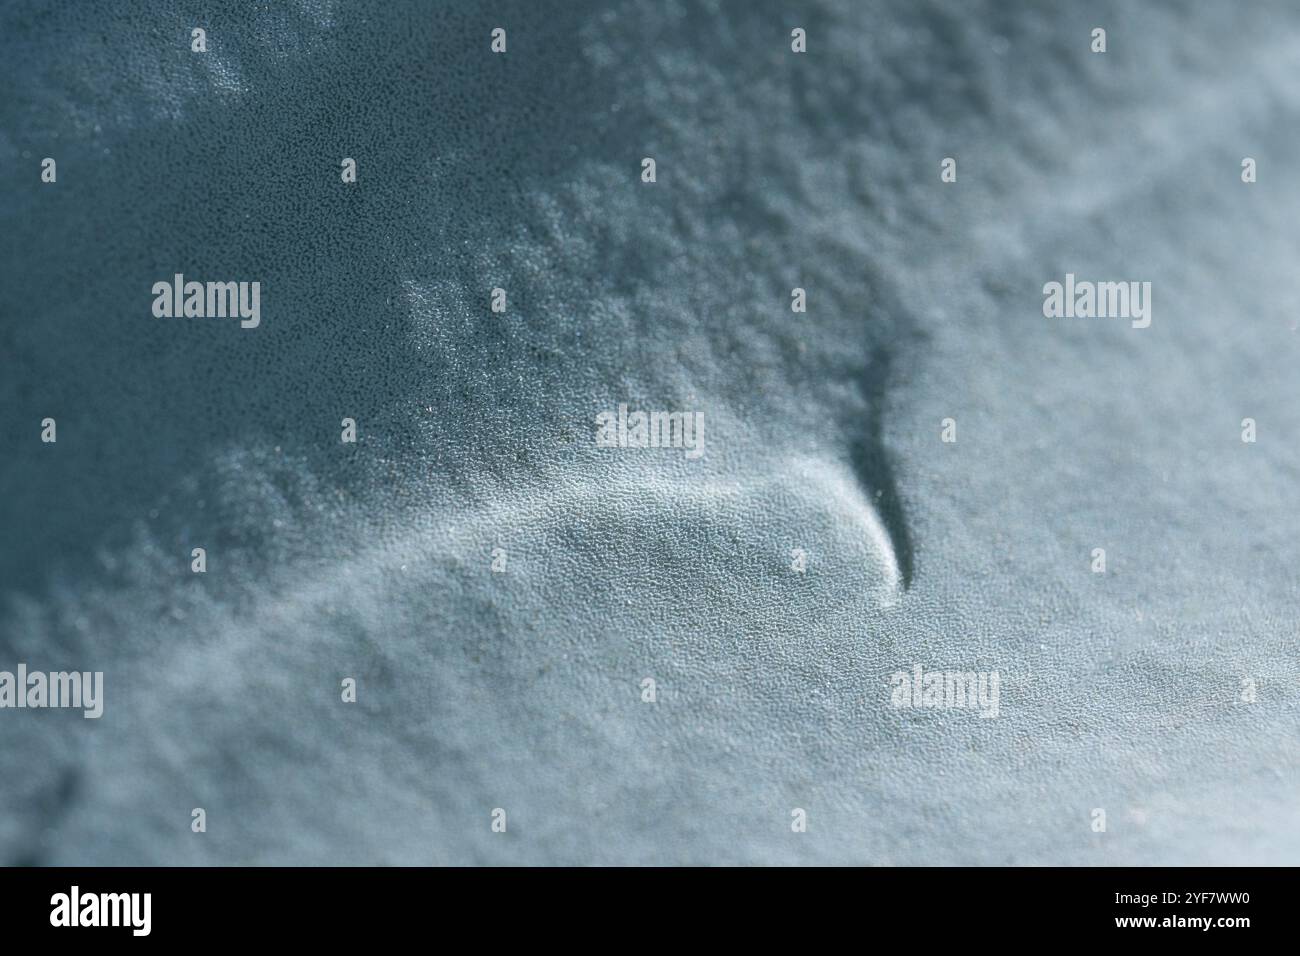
(872, 466)
(242, 183)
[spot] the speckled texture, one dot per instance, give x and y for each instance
(521, 690)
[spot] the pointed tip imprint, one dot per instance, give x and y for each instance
(820, 485)
(845, 493)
